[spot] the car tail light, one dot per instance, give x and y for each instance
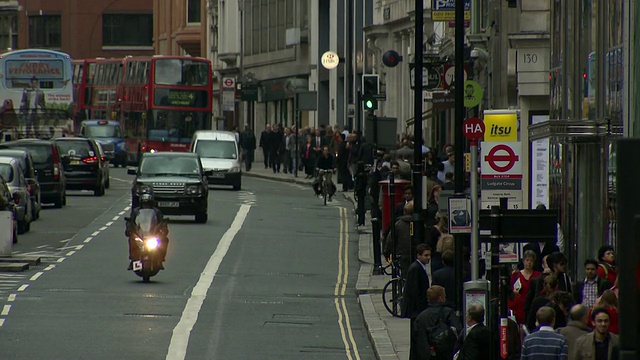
(90, 160)
(103, 159)
(56, 164)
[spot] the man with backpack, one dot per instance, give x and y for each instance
(435, 328)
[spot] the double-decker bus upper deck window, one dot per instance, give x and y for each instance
(49, 73)
(181, 72)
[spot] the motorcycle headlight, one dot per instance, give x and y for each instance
(234, 169)
(152, 243)
(193, 190)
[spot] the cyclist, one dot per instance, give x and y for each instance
(327, 163)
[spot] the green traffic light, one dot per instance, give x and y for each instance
(369, 104)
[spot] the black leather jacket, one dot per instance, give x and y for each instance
(134, 215)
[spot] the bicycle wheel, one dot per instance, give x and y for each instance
(324, 192)
(392, 301)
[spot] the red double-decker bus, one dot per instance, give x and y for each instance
(165, 99)
(97, 88)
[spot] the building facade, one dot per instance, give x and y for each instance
(87, 28)
(8, 25)
(179, 27)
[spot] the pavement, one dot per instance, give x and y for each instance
(389, 335)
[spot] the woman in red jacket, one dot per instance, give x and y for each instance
(520, 283)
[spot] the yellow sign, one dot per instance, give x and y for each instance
(448, 15)
(467, 162)
(500, 126)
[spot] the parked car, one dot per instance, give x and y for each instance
(177, 181)
(108, 134)
(48, 164)
(30, 175)
(11, 171)
(85, 165)
(7, 203)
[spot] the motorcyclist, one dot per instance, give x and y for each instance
(327, 163)
(146, 202)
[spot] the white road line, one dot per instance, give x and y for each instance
(41, 246)
(103, 228)
(115, 218)
(88, 239)
(71, 252)
(182, 331)
(1, 322)
(127, 208)
(61, 259)
(109, 223)
(11, 297)
(79, 247)
(95, 233)
(49, 267)
(5, 310)
(23, 287)
(121, 212)
(35, 277)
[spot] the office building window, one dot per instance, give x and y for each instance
(193, 11)
(266, 22)
(45, 31)
(8, 31)
(127, 30)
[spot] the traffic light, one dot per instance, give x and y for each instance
(369, 102)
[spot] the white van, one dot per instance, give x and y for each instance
(220, 155)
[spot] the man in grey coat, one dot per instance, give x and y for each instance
(577, 326)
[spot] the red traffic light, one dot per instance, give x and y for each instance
(391, 58)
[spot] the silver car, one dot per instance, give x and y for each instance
(11, 171)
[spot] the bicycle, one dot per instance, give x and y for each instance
(393, 289)
(324, 185)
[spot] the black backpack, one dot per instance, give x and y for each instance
(441, 335)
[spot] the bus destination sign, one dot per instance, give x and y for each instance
(177, 97)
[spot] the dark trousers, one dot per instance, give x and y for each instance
(361, 210)
(248, 159)
(265, 153)
(274, 161)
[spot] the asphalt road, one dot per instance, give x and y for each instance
(270, 276)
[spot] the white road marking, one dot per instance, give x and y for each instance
(5, 310)
(41, 246)
(182, 331)
(103, 228)
(109, 223)
(79, 247)
(1, 322)
(127, 208)
(35, 277)
(61, 259)
(11, 297)
(23, 287)
(49, 267)
(95, 233)
(71, 252)
(88, 239)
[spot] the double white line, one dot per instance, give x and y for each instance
(350, 346)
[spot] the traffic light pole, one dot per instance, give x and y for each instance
(418, 216)
(459, 147)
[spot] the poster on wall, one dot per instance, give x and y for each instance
(539, 167)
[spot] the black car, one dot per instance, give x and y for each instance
(48, 164)
(7, 203)
(177, 181)
(85, 165)
(29, 175)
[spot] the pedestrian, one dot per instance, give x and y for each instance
(577, 326)
(545, 344)
(265, 144)
(414, 296)
(592, 286)
(477, 342)
(361, 179)
(600, 344)
(434, 332)
(607, 267)
(248, 144)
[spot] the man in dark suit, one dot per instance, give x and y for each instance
(477, 344)
(265, 144)
(589, 289)
(408, 196)
(445, 276)
(414, 296)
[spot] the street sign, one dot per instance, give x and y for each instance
(330, 60)
(444, 10)
(472, 94)
(502, 160)
(430, 77)
(450, 75)
(229, 83)
(521, 225)
(473, 129)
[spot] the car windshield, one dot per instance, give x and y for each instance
(169, 165)
(76, 148)
(6, 171)
(40, 154)
(216, 149)
(145, 220)
(102, 131)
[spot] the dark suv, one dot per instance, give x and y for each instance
(177, 182)
(48, 164)
(86, 167)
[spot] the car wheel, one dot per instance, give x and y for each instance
(22, 227)
(237, 186)
(15, 234)
(34, 212)
(107, 183)
(201, 217)
(59, 201)
(100, 190)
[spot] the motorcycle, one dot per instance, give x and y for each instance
(147, 233)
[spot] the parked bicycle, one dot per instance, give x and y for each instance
(392, 291)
